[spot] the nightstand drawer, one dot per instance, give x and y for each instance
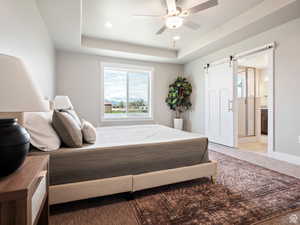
(24, 194)
(38, 196)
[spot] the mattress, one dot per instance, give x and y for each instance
(127, 150)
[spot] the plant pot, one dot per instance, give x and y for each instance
(178, 123)
(14, 145)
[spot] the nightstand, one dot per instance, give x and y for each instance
(24, 194)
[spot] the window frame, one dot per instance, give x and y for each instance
(128, 68)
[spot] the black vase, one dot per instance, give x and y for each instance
(14, 145)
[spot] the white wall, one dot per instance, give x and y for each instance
(24, 34)
(78, 76)
(287, 81)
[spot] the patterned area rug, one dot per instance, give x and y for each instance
(244, 194)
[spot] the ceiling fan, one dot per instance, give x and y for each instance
(176, 16)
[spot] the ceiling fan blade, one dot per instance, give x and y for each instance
(191, 25)
(171, 6)
(161, 30)
(203, 6)
(180, 2)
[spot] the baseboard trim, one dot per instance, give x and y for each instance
(285, 157)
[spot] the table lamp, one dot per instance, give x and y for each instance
(62, 102)
(18, 94)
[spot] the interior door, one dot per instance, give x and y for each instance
(219, 104)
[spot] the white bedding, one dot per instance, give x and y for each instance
(139, 134)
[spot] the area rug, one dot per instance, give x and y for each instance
(244, 194)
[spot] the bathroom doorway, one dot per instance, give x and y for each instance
(253, 102)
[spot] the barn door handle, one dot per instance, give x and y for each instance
(229, 105)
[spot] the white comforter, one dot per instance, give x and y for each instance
(139, 134)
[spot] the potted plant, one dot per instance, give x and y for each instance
(179, 99)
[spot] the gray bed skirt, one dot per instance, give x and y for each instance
(76, 165)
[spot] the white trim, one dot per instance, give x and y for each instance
(270, 50)
(285, 157)
(271, 102)
(128, 119)
(235, 105)
(127, 67)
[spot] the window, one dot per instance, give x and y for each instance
(126, 92)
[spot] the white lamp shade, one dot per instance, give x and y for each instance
(18, 92)
(62, 102)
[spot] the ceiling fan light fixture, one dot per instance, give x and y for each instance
(174, 22)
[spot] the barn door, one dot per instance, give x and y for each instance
(219, 111)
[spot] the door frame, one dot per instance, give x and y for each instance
(270, 50)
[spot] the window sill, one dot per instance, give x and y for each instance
(148, 119)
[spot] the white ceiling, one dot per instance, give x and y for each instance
(142, 31)
(78, 25)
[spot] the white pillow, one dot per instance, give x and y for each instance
(89, 132)
(42, 134)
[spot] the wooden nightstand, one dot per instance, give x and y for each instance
(24, 194)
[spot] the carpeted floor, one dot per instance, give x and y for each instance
(244, 194)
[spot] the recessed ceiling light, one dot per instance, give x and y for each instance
(108, 24)
(176, 38)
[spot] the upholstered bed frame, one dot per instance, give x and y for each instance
(130, 183)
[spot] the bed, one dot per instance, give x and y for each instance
(127, 159)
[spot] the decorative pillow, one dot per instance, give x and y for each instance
(42, 134)
(73, 114)
(67, 128)
(89, 132)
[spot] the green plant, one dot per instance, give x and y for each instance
(179, 96)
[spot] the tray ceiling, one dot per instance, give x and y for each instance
(142, 31)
